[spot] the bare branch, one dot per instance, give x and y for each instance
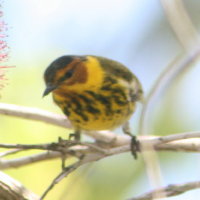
(116, 144)
(34, 114)
(185, 142)
(181, 23)
(163, 82)
(10, 189)
(48, 117)
(62, 175)
(169, 191)
(175, 137)
(25, 160)
(91, 157)
(187, 35)
(85, 159)
(10, 152)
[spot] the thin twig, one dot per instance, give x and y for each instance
(62, 175)
(100, 155)
(189, 145)
(59, 146)
(176, 137)
(163, 82)
(181, 23)
(169, 191)
(188, 37)
(93, 156)
(185, 142)
(26, 160)
(10, 152)
(85, 159)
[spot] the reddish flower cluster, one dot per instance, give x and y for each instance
(3, 49)
(3, 44)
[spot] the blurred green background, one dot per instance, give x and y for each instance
(134, 32)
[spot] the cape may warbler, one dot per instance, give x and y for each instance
(94, 92)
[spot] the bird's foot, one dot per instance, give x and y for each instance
(76, 136)
(135, 144)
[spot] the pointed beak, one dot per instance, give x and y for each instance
(49, 89)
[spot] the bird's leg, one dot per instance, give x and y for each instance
(74, 138)
(76, 135)
(135, 145)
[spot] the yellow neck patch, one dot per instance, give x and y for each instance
(95, 72)
(95, 77)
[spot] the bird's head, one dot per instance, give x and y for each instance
(65, 72)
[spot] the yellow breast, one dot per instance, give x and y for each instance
(95, 110)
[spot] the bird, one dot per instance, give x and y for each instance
(94, 92)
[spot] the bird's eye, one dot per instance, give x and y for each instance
(67, 75)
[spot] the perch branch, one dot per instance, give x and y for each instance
(185, 142)
(119, 143)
